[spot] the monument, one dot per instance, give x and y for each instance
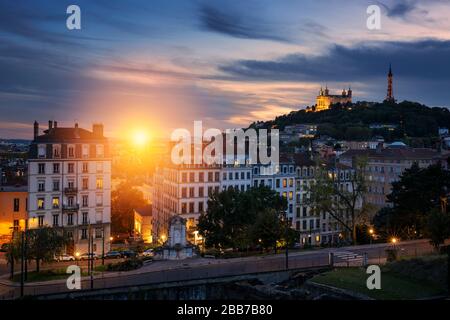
(177, 247)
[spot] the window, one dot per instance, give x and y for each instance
(41, 186)
(41, 203)
(191, 207)
(71, 168)
(16, 204)
(236, 175)
(56, 168)
(84, 234)
(70, 219)
(192, 176)
(284, 183)
(201, 176)
(242, 175)
(71, 150)
(248, 174)
(200, 206)
(84, 218)
(277, 183)
(85, 183)
(16, 225)
(85, 167)
(224, 176)
(210, 176)
(184, 177)
(210, 191)
(85, 201)
(183, 207)
(99, 201)
(70, 201)
(42, 151)
(304, 225)
(99, 150)
(231, 175)
(304, 211)
(298, 212)
(40, 221)
(41, 168)
(55, 203)
(99, 167)
(99, 216)
(291, 182)
(183, 192)
(99, 183)
(85, 151)
(55, 220)
(98, 233)
(191, 192)
(201, 192)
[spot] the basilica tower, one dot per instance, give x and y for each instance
(390, 92)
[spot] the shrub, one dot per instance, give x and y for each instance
(127, 265)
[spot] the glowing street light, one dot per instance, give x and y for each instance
(394, 240)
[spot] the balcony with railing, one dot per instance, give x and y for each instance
(70, 190)
(70, 207)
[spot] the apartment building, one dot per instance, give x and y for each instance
(69, 184)
(13, 211)
(385, 165)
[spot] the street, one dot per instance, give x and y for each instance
(202, 268)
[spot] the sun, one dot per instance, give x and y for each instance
(140, 138)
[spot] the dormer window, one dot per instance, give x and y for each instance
(41, 151)
(71, 151)
(85, 151)
(56, 151)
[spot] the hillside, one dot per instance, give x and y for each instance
(352, 121)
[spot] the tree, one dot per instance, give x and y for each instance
(267, 229)
(124, 200)
(414, 196)
(44, 243)
(237, 219)
(438, 228)
(342, 199)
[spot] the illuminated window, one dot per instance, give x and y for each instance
(99, 183)
(55, 202)
(284, 183)
(41, 203)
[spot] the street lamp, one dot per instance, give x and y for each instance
(371, 234)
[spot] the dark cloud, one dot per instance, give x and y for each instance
(236, 24)
(427, 59)
(400, 8)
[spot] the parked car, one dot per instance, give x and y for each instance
(65, 257)
(128, 254)
(148, 253)
(113, 255)
(86, 256)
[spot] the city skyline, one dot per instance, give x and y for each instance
(156, 60)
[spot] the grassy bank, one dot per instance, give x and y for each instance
(416, 278)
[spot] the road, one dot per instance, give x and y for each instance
(201, 268)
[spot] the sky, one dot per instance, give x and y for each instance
(161, 64)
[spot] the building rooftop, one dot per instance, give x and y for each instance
(393, 153)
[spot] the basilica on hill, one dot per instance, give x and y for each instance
(324, 100)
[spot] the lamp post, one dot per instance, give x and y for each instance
(103, 246)
(286, 238)
(371, 234)
(22, 266)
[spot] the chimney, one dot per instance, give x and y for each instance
(36, 129)
(97, 130)
(50, 124)
(55, 124)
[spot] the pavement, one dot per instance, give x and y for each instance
(204, 268)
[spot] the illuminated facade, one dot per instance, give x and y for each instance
(13, 211)
(69, 184)
(325, 99)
